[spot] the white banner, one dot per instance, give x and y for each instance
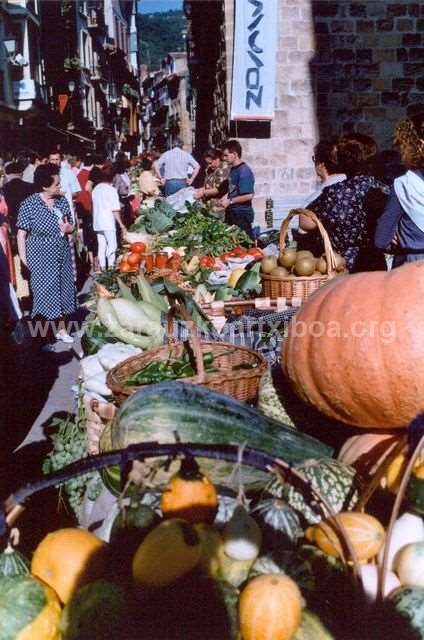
(254, 62)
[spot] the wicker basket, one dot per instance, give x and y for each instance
(99, 415)
(299, 287)
(241, 383)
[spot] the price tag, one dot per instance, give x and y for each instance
(218, 308)
(262, 303)
(296, 302)
(281, 304)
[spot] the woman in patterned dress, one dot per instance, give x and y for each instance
(44, 221)
(349, 209)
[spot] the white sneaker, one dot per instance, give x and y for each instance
(64, 337)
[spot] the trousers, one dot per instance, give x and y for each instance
(106, 248)
(172, 186)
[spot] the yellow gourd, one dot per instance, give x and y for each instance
(235, 275)
(167, 553)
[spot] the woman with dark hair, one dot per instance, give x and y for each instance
(403, 216)
(216, 182)
(345, 209)
(44, 222)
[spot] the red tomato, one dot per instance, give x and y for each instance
(224, 257)
(239, 252)
(207, 262)
(134, 259)
(138, 247)
(124, 267)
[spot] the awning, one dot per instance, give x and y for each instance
(71, 133)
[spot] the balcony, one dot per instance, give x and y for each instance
(95, 18)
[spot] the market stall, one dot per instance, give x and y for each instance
(212, 497)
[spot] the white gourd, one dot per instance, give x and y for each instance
(242, 536)
(369, 575)
(409, 564)
(408, 528)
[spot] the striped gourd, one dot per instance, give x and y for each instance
(13, 562)
(334, 480)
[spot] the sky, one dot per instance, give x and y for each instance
(155, 6)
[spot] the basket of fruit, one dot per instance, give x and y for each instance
(220, 366)
(297, 274)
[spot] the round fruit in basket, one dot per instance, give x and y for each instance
(287, 258)
(134, 259)
(279, 272)
(304, 265)
(268, 264)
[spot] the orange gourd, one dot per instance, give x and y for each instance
(366, 534)
(190, 495)
(270, 608)
(355, 349)
(67, 559)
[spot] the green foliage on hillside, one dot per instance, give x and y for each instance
(160, 34)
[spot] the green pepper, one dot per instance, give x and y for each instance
(208, 358)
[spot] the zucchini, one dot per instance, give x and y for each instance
(157, 412)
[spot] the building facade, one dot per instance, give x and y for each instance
(23, 97)
(165, 110)
(346, 65)
(69, 76)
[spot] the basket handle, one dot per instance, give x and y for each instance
(193, 337)
(329, 253)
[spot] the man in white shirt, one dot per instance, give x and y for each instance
(28, 174)
(176, 164)
(106, 213)
(69, 184)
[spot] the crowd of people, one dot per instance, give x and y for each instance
(52, 205)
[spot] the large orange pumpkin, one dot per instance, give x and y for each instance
(270, 608)
(355, 349)
(67, 559)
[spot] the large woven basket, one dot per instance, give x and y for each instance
(299, 287)
(231, 378)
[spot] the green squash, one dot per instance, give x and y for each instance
(333, 479)
(409, 603)
(154, 413)
(311, 628)
(415, 493)
(13, 562)
(27, 606)
(97, 611)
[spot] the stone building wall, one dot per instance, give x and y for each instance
(282, 164)
(341, 65)
(368, 64)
